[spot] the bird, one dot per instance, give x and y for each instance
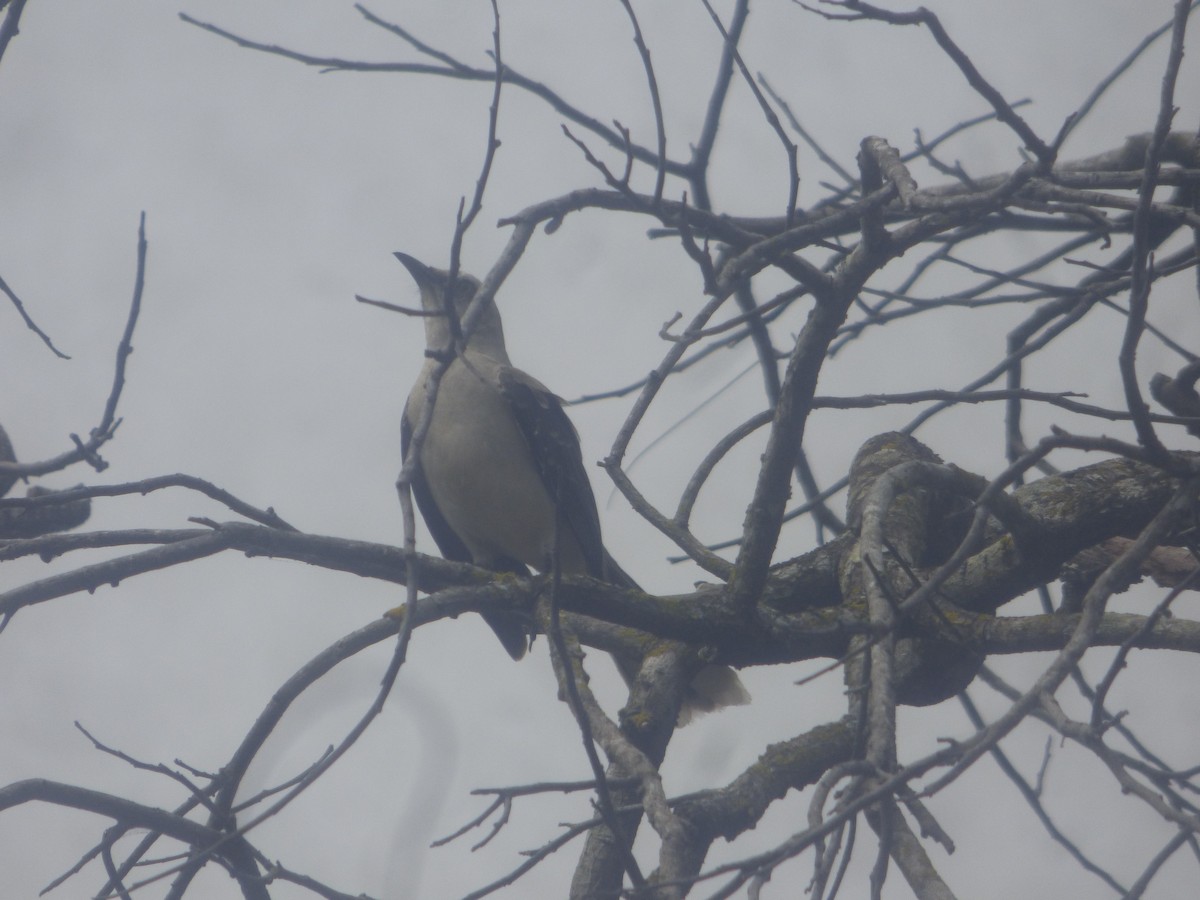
(500, 477)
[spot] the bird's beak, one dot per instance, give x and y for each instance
(420, 272)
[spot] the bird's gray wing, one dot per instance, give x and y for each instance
(554, 445)
(509, 627)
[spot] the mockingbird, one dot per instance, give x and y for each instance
(499, 455)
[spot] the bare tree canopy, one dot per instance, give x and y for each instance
(880, 325)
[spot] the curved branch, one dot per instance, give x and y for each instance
(449, 68)
(230, 849)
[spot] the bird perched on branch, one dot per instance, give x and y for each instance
(497, 459)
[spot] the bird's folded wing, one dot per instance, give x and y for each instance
(554, 446)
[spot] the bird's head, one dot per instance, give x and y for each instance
(485, 334)
(433, 283)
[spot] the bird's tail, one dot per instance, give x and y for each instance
(512, 629)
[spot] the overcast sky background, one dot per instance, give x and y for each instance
(273, 195)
